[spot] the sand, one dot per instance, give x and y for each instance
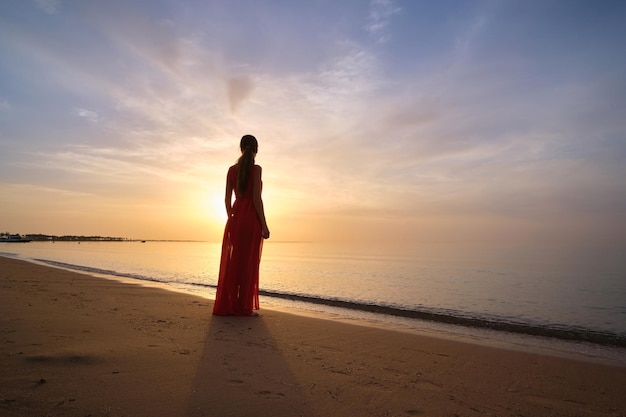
(77, 345)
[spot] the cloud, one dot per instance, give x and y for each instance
(239, 89)
(380, 14)
(153, 42)
(90, 115)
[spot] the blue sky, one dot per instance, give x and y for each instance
(475, 121)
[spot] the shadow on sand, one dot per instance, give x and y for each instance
(242, 372)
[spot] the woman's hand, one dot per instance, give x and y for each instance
(266, 233)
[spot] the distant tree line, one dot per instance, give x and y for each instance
(69, 238)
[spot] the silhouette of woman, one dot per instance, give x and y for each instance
(238, 284)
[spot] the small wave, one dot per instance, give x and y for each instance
(556, 331)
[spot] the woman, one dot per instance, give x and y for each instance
(238, 284)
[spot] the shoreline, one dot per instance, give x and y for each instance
(499, 337)
(75, 345)
(591, 313)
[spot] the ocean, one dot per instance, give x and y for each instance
(506, 297)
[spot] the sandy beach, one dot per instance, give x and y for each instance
(77, 345)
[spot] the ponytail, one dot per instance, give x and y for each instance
(249, 147)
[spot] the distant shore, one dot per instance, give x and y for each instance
(73, 238)
(77, 345)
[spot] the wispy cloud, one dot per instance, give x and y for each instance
(90, 115)
(380, 14)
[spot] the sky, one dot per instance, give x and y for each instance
(385, 121)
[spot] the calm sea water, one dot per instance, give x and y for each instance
(570, 298)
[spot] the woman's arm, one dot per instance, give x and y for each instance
(229, 195)
(256, 199)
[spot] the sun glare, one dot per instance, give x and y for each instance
(216, 208)
(210, 207)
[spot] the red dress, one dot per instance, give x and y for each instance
(238, 284)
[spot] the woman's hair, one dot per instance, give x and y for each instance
(249, 147)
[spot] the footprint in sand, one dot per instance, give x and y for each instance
(270, 395)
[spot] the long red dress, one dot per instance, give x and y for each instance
(238, 284)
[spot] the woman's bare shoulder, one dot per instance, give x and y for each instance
(257, 172)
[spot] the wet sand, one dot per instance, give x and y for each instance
(76, 345)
